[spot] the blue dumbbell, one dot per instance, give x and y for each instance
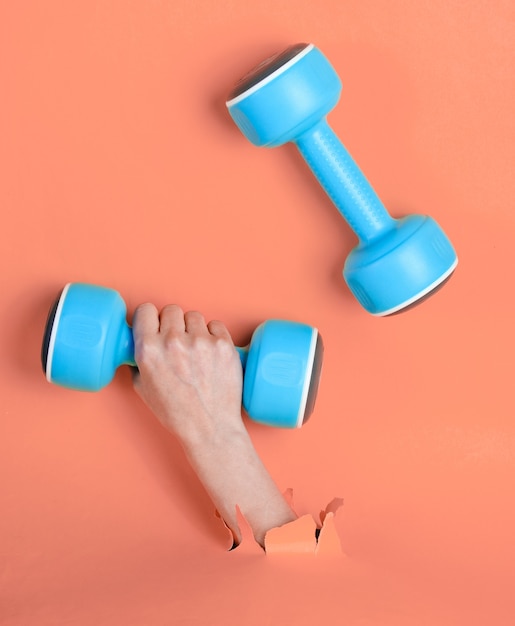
(397, 262)
(87, 338)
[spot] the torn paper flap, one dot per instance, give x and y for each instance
(302, 536)
(297, 537)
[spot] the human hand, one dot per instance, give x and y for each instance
(189, 373)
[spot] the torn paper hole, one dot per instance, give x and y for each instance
(302, 536)
(297, 537)
(247, 543)
(328, 540)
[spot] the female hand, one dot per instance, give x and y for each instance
(190, 376)
(190, 373)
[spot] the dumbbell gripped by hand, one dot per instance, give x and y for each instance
(87, 338)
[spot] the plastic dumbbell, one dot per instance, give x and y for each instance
(87, 338)
(397, 262)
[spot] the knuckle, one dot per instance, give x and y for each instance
(224, 347)
(145, 354)
(172, 343)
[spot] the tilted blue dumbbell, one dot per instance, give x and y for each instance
(397, 262)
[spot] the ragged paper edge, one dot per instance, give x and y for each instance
(304, 535)
(247, 542)
(297, 537)
(301, 536)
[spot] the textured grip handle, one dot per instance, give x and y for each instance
(344, 182)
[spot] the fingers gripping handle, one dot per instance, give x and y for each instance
(344, 182)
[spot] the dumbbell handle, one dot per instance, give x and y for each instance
(344, 182)
(126, 348)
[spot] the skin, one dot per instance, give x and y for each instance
(190, 376)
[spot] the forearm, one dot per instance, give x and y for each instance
(234, 476)
(190, 375)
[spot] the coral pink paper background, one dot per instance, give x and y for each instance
(119, 165)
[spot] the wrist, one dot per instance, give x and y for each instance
(214, 436)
